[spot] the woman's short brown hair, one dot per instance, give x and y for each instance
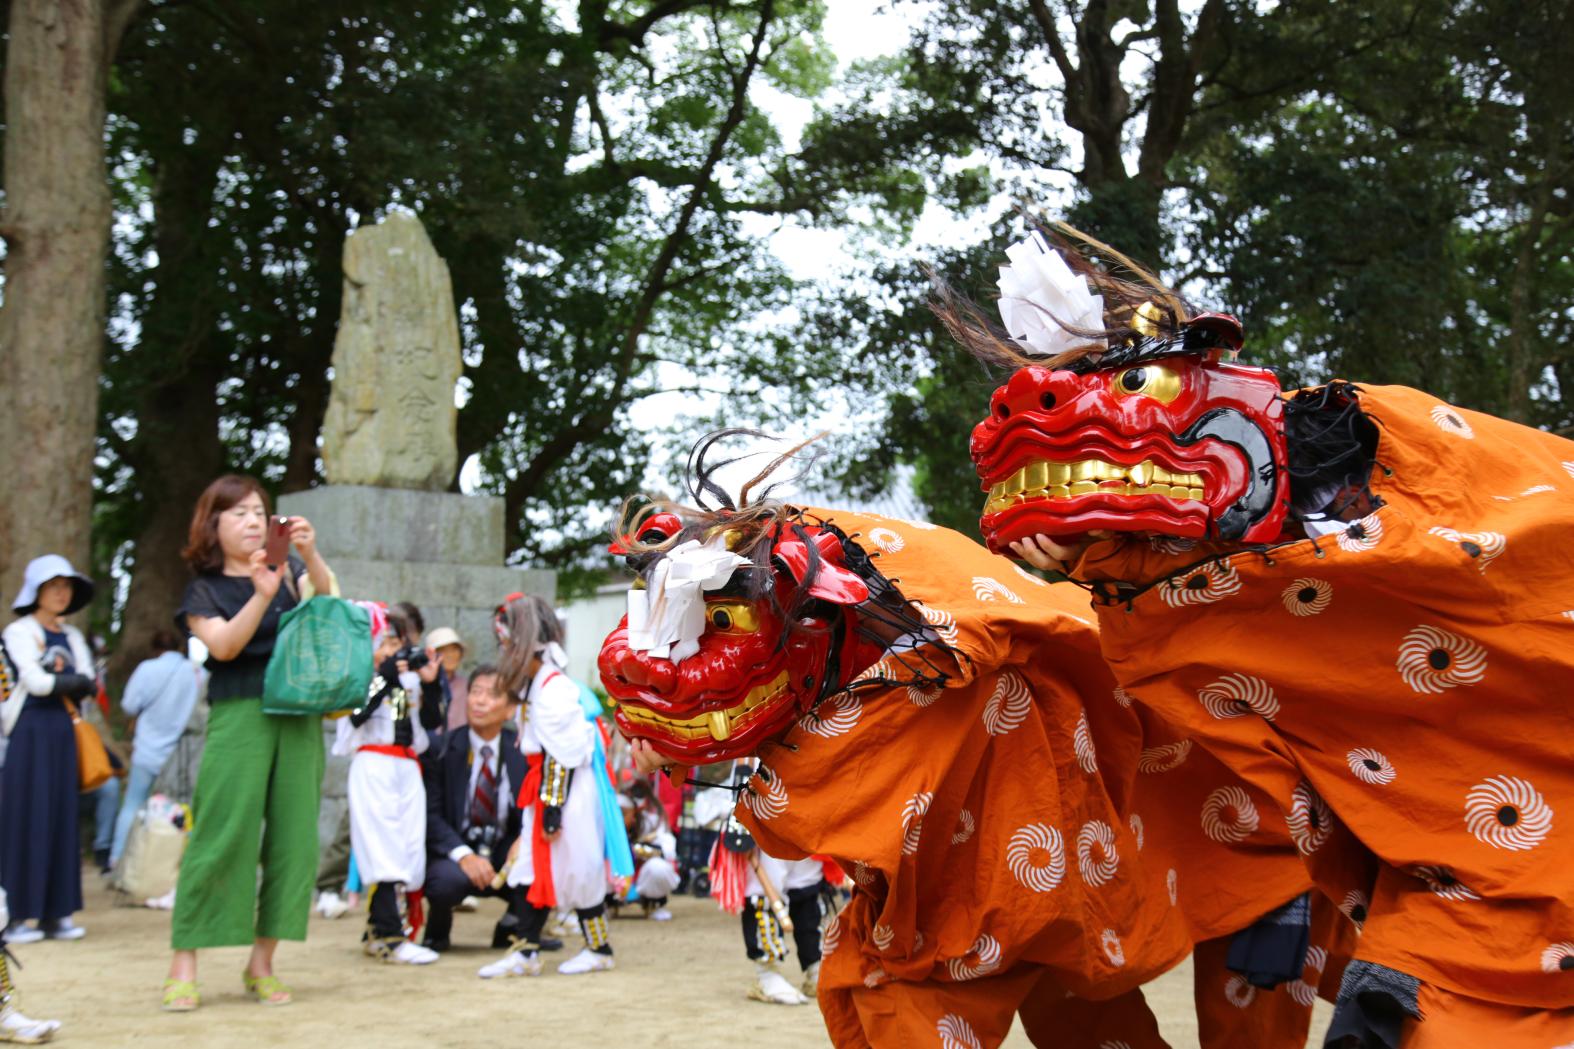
(202, 550)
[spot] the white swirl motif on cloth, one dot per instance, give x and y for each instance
(835, 716)
(864, 874)
(1309, 818)
(1228, 815)
(1432, 659)
(1009, 704)
(987, 588)
(921, 696)
(831, 935)
(1485, 547)
(1172, 545)
(875, 977)
(964, 827)
(1171, 883)
(1537, 489)
(1354, 906)
(1239, 992)
(1037, 857)
(667, 618)
(881, 669)
(888, 541)
(882, 935)
(1029, 576)
(1135, 822)
(986, 949)
(1360, 535)
(1114, 1043)
(770, 804)
(1082, 745)
(1440, 881)
(956, 1033)
(1165, 757)
(1236, 695)
(1371, 766)
(1123, 698)
(1559, 957)
(1302, 990)
(944, 622)
(1040, 297)
(1112, 948)
(913, 820)
(1509, 813)
(1097, 859)
(1307, 597)
(1450, 421)
(1568, 467)
(1202, 586)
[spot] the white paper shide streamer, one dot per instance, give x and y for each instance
(667, 618)
(1039, 293)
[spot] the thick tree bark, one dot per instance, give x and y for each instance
(56, 227)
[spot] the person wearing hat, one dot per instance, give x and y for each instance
(450, 650)
(40, 851)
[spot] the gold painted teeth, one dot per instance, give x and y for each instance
(717, 724)
(1044, 479)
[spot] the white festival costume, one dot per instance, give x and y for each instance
(784, 874)
(387, 796)
(554, 722)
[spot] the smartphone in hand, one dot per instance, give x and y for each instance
(277, 549)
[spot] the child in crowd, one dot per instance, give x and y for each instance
(655, 849)
(387, 796)
(561, 851)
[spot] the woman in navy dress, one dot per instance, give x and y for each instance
(40, 852)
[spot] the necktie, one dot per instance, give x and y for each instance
(483, 807)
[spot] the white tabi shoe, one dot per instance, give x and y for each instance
(514, 963)
(586, 961)
(331, 905)
(811, 981)
(408, 953)
(14, 1027)
(660, 914)
(23, 934)
(65, 929)
(771, 986)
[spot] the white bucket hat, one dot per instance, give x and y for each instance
(41, 570)
(444, 636)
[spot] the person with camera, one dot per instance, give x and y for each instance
(387, 796)
(40, 851)
(260, 782)
(472, 819)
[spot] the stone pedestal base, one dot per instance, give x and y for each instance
(441, 551)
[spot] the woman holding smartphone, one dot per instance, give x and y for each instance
(260, 782)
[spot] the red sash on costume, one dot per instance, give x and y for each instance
(542, 894)
(391, 750)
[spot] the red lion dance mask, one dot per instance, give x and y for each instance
(1162, 433)
(784, 627)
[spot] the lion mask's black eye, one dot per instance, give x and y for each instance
(1134, 380)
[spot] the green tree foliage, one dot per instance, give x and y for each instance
(599, 176)
(1382, 191)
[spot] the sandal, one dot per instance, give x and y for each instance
(180, 996)
(269, 990)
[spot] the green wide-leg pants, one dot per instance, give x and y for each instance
(256, 802)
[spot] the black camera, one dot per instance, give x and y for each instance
(414, 656)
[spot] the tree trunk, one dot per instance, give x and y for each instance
(56, 227)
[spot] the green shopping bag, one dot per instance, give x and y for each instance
(322, 660)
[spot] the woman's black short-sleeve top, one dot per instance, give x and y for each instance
(214, 595)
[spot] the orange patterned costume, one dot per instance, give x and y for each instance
(1403, 688)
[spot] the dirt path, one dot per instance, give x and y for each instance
(679, 984)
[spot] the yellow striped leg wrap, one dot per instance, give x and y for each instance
(595, 930)
(769, 929)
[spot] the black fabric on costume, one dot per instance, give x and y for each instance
(590, 916)
(383, 917)
(1272, 949)
(803, 907)
(1374, 1002)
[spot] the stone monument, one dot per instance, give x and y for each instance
(385, 520)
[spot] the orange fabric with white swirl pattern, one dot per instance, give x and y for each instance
(1000, 824)
(1403, 690)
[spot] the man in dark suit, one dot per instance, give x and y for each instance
(473, 776)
